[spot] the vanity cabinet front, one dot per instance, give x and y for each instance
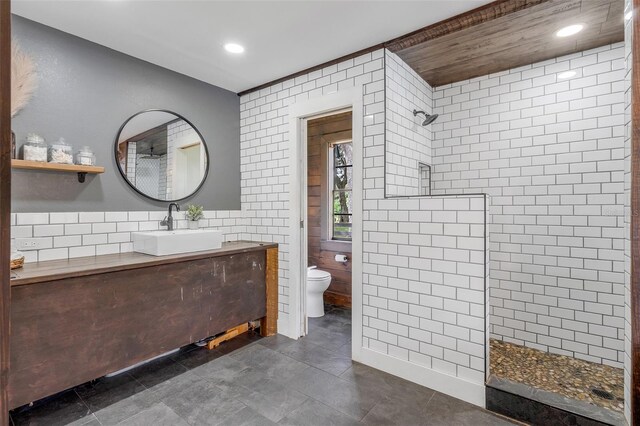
(78, 323)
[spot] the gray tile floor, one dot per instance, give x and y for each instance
(256, 381)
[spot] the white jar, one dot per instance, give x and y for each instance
(35, 148)
(61, 152)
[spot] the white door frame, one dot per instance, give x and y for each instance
(298, 113)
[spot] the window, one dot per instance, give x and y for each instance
(341, 190)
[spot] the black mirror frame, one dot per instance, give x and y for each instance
(124, 175)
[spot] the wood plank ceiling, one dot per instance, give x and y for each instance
(507, 34)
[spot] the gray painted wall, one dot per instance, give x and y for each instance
(86, 91)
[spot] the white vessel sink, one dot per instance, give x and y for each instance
(162, 243)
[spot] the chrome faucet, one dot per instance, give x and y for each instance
(168, 220)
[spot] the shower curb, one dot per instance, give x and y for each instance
(510, 403)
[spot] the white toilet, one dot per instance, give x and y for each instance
(317, 283)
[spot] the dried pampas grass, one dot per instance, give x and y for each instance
(24, 80)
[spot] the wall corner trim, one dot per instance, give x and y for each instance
(283, 326)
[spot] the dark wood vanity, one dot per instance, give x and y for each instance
(76, 320)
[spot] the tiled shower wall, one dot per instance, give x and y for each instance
(550, 153)
(427, 256)
(408, 142)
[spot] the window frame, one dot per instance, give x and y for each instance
(330, 213)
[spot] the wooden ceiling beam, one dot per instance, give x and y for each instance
(476, 16)
(507, 34)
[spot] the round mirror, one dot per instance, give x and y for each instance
(161, 155)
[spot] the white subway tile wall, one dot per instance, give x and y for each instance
(550, 152)
(408, 142)
(628, 43)
(70, 235)
(131, 165)
(264, 146)
(404, 244)
(424, 282)
(390, 259)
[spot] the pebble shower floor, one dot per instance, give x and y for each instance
(567, 376)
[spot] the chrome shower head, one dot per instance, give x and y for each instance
(428, 119)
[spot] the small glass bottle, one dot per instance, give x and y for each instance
(35, 148)
(85, 157)
(60, 152)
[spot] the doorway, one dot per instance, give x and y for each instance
(188, 164)
(329, 230)
(302, 202)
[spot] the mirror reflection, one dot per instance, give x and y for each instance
(161, 155)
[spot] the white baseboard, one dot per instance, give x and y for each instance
(356, 352)
(473, 393)
(283, 326)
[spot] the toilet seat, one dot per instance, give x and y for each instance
(317, 274)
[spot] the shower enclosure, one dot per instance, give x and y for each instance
(548, 149)
(549, 152)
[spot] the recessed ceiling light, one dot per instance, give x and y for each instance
(567, 74)
(628, 15)
(570, 30)
(233, 48)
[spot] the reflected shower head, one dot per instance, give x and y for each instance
(149, 156)
(428, 119)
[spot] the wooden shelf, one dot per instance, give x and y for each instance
(52, 167)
